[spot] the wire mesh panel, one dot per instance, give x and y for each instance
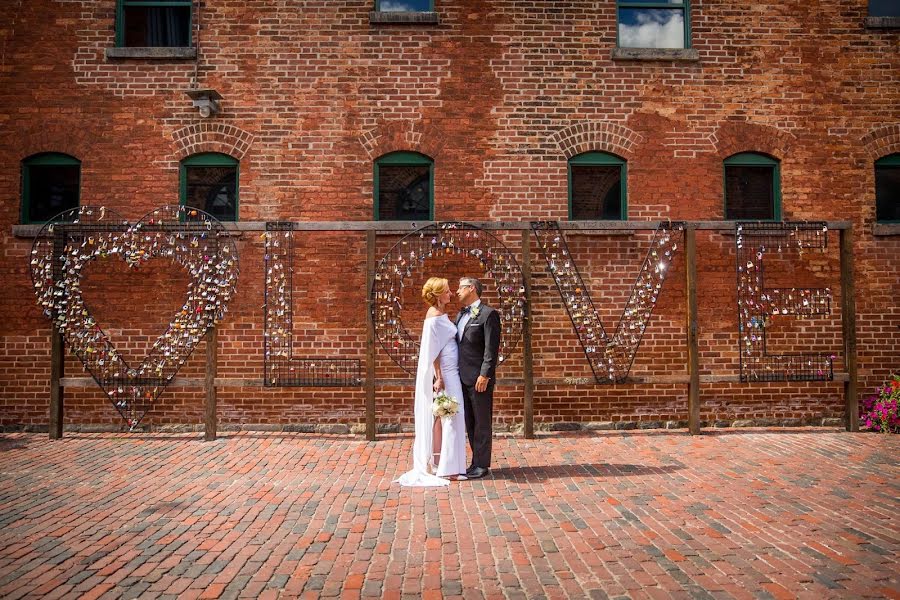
(192, 239)
(280, 367)
(396, 268)
(610, 358)
(758, 306)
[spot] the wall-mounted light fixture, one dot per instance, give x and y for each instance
(206, 100)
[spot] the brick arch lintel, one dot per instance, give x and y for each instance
(596, 136)
(49, 137)
(733, 137)
(403, 135)
(212, 137)
(882, 141)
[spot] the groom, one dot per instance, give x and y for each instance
(478, 334)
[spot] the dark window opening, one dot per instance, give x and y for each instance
(596, 192)
(404, 193)
(156, 26)
(884, 8)
(749, 192)
(50, 185)
(887, 192)
(214, 190)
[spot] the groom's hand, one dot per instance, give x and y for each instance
(481, 383)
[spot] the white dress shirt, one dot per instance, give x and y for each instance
(461, 326)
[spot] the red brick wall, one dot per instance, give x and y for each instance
(499, 95)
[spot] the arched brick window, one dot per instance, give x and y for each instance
(597, 187)
(209, 181)
(752, 187)
(51, 183)
(887, 189)
(404, 187)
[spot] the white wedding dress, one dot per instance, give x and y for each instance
(438, 340)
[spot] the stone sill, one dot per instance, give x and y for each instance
(152, 53)
(656, 54)
(882, 22)
(377, 17)
(886, 229)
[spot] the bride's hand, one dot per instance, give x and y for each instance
(438, 384)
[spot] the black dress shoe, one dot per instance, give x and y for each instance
(477, 472)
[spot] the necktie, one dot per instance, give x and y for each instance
(465, 310)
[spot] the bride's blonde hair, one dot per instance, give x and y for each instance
(433, 288)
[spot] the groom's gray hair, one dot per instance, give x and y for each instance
(474, 283)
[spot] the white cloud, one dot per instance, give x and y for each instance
(654, 29)
(396, 6)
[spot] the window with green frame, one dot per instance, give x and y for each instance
(653, 24)
(209, 181)
(887, 189)
(153, 23)
(597, 187)
(51, 184)
(404, 187)
(752, 187)
(404, 5)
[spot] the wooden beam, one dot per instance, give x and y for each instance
(848, 325)
(693, 366)
(209, 420)
(527, 356)
(400, 227)
(370, 338)
(57, 364)
(236, 382)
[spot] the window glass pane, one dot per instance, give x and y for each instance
(51, 190)
(884, 8)
(651, 28)
(404, 5)
(749, 193)
(213, 189)
(596, 192)
(404, 193)
(168, 26)
(887, 193)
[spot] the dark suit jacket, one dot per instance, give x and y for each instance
(480, 346)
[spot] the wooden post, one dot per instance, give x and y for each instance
(370, 337)
(527, 356)
(690, 290)
(57, 362)
(848, 323)
(210, 423)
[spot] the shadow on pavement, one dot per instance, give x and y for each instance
(574, 471)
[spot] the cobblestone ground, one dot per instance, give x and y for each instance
(742, 514)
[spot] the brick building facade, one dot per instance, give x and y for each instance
(499, 95)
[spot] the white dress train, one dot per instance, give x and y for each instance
(438, 341)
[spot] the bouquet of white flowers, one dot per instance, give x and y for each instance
(444, 406)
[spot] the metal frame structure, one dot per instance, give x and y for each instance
(280, 367)
(370, 229)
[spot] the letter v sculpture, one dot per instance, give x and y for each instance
(610, 358)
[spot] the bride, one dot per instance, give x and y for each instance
(439, 449)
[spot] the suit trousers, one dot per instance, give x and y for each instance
(479, 407)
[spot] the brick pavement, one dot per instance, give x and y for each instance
(645, 514)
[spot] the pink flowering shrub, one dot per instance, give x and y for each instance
(882, 412)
